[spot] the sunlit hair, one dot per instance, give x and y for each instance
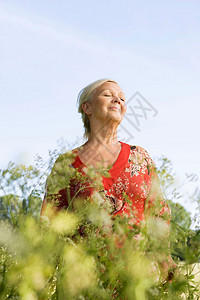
(86, 95)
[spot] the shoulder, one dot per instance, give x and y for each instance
(141, 154)
(62, 172)
(144, 152)
(65, 159)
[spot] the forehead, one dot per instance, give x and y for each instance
(109, 86)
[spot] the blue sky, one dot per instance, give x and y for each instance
(51, 49)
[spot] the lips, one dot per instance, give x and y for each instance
(114, 108)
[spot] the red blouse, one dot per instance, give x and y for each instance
(133, 175)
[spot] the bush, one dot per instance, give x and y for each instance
(85, 254)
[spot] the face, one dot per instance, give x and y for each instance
(108, 103)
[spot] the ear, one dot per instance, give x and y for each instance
(86, 108)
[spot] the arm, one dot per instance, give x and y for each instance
(156, 205)
(57, 194)
(65, 184)
(158, 209)
(51, 205)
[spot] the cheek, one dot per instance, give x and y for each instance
(98, 105)
(101, 104)
(124, 109)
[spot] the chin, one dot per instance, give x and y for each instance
(115, 116)
(115, 119)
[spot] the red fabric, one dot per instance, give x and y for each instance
(133, 174)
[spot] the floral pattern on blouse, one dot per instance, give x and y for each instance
(132, 187)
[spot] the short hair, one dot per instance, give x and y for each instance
(85, 95)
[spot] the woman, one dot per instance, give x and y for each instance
(132, 185)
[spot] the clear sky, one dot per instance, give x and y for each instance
(51, 49)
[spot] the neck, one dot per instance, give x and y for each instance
(104, 135)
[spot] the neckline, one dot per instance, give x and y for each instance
(118, 164)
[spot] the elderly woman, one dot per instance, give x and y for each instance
(131, 185)
(128, 180)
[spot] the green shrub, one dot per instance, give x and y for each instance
(85, 254)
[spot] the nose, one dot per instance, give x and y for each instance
(116, 99)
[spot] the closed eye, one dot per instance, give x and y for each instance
(110, 95)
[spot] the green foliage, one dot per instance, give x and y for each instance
(82, 253)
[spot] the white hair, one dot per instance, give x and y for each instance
(85, 95)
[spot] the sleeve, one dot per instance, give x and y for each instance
(65, 184)
(155, 204)
(55, 201)
(57, 190)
